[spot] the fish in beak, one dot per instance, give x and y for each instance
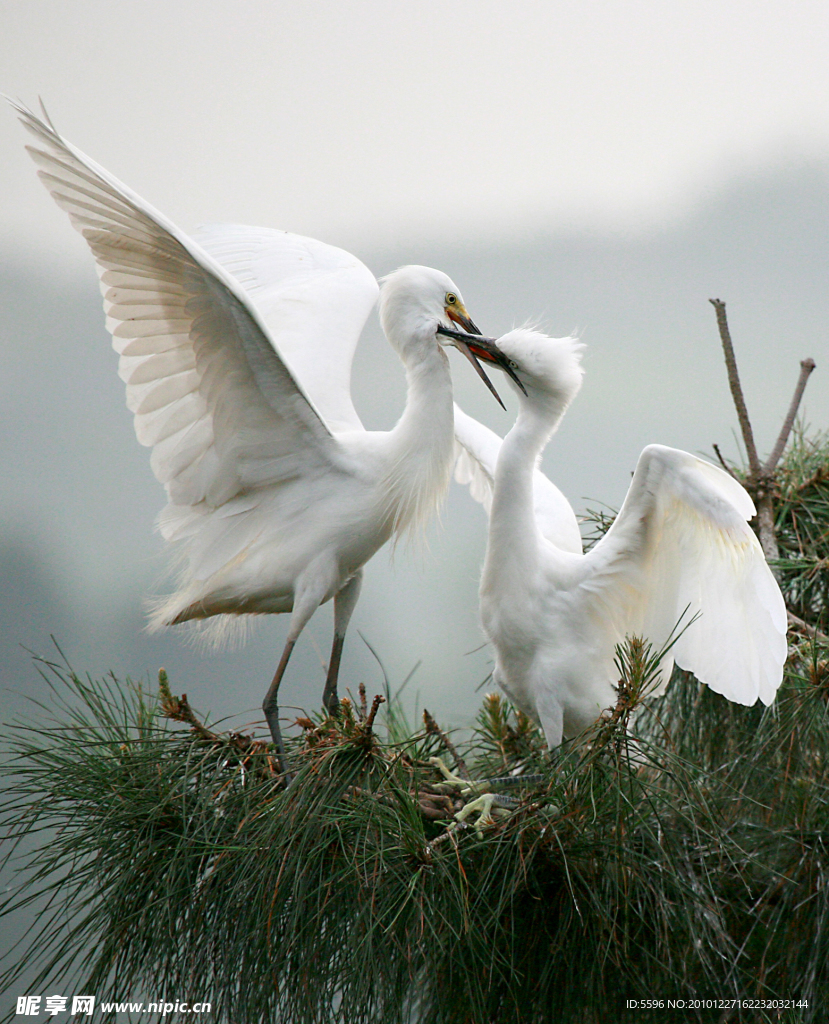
(476, 347)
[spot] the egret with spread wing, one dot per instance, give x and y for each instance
(236, 350)
(681, 541)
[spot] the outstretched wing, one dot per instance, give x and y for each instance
(210, 393)
(477, 455)
(681, 540)
(314, 299)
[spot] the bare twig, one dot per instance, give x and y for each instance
(457, 826)
(736, 388)
(723, 463)
(820, 476)
(806, 367)
(178, 710)
(763, 499)
(375, 704)
(434, 729)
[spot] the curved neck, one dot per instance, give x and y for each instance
(421, 445)
(513, 531)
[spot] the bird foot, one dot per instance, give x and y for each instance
(490, 807)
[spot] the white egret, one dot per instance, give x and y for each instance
(681, 541)
(236, 350)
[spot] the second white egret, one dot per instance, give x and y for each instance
(680, 541)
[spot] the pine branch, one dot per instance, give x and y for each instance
(178, 710)
(353, 897)
(800, 624)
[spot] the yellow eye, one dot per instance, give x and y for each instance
(451, 299)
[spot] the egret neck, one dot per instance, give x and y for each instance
(421, 445)
(513, 530)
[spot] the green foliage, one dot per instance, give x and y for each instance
(678, 850)
(686, 858)
(802, 527)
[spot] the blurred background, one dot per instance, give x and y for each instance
(595, 167)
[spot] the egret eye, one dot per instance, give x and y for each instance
(451, 299)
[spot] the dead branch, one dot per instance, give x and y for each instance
(806, 367)
(723, 463)
(736, 387)
(760, 482)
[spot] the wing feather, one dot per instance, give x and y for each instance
(682, 541)
(314, 299)
(210, 392)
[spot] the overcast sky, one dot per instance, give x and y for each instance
(394, 120)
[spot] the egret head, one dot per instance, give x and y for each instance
(420, 307)
(414, 300)
(547, 370)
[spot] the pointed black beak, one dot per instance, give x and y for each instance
(475, 346)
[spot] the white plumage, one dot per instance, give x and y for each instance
(236, 349)
(681, 540)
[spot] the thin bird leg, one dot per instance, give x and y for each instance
(330, 699)
(344, 603)
(307, 598)
(270, 704)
